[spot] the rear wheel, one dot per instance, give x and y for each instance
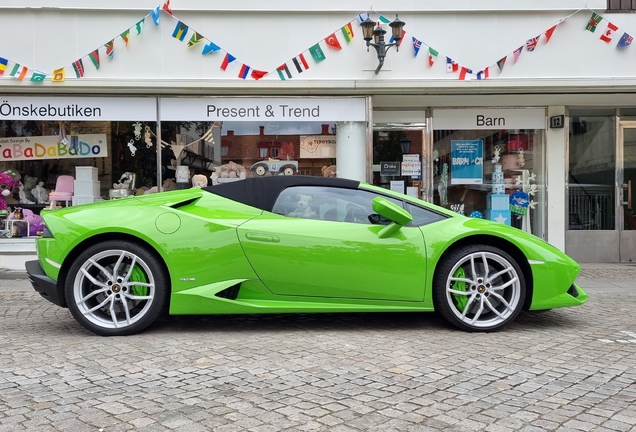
(116, 288)
(260, 170)
(479, 288)
(288, 170)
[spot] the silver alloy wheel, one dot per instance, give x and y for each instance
(106, 289)
(487, 294)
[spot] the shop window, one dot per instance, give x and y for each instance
(621, 5)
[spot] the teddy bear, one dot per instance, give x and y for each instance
(329, 171)
(303, 207)
(199, 181)
(231, 170)
(7, 184)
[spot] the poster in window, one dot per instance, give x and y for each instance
(467, 162)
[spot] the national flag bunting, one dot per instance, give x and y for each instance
(624, 41)
(38, 77)
(417, 44)
(465, 74)
(210, 47)
(595, 19)
(516, 54)
(392, 40)
(78, 67)
(531, 44)
(361, 18)
(300, 63)
(166, 7)
(609, 32)
(110, 48)
(58, 75)
(347, 31)
(258, 74)
(19, 71)
(501, 62)
(432, 56)
(382, 20)
(195, 39)
(548, 33)
(140, 25)
(283, 72)
(180, 31)
(228, 62)
(244, 71)
(3, 65)
(481, 75)
(155, 15)
(125, 35)
(94, 56)
(333, 41)
(317, 53)
(451, 65)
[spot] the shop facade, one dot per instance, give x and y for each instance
(560, 134)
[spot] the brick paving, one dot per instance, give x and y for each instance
(566, 370)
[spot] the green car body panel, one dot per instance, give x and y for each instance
(210, 244)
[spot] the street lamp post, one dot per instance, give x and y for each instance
(377, 35)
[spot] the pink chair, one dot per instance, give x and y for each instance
(63, 190)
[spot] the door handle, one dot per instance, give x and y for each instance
(267, 238)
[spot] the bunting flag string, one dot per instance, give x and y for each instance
(299, 63)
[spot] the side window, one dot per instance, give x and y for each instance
(330, 204)
(422, 216)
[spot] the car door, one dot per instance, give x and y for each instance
(320, 242)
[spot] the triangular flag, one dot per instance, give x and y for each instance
(110, 48)
(58, 75)
(283, 72)
(166, 7)
(38, 77)
(451, 65)
(140, 25)
(347, 31)
(465, 74)
(333, 41)
(417, 44)
(624, 41)
(94, 56)
(501, 62)
(180, 31)
(19, 71)
(258, 74)
(210, 47)
(609, 32)
(392, 39)
(531, 44)
(228, 61)
(195, 39)
(155, 15)
(244, 71)
(595, 19)
(317, 53)
(124, 36)
(78, 67)
(548, 33)
(432, 56)
(516, 54)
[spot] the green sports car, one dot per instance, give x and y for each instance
(291, 244)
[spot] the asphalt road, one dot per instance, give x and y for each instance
(566, 369)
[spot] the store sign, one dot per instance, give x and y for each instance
(49, 147)
(389, 168)
(467, 162)
(411, 165)
(317, 146)
(78, 108)
(263, 109)
(494, 118)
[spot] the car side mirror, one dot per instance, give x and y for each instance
(396, 214)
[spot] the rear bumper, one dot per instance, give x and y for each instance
(43, 284)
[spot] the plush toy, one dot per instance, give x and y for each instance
(199, 181)
(126, 181)
(168, 185)
(303, 207)
(231, 170)
(329, 171)
(7, 184)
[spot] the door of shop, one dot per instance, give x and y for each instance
(626, 191)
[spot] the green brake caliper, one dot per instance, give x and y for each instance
(137, 275)
(460, 300)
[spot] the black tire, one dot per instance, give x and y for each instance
(141, 280)
(486, 306)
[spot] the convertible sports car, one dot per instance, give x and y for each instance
(289, 244)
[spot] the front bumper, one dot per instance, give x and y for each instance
(43, 284)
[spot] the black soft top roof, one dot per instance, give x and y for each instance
(261, 192)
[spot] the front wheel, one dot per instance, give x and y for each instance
(479, 288)
(116, 288)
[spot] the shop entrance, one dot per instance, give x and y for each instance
(626, 191)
